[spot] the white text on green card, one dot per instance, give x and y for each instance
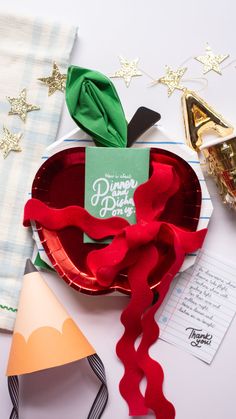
(111, 178)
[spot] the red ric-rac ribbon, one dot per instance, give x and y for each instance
(135, 248)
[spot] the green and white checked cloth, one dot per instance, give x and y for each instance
(28, 47)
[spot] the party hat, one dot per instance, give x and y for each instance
(45, 335)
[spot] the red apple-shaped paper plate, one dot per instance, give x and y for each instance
(60, 182)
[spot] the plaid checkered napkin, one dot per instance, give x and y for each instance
(28, 47)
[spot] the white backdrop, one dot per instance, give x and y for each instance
(158, 33)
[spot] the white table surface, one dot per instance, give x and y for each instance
(159, 33)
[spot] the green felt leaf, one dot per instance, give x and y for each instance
(95, 106)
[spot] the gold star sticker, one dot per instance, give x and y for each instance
(172, 79)
(9, 142)
(211, 61)
(56, 81)
(20, 107)
(128, 70)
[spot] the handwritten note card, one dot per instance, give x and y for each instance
(201, 307)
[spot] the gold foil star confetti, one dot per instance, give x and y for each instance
(128, 70)
(20, 107)
(57, 81)
(172, 79)
(211, 61)
(9, 142)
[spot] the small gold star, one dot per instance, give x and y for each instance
(211, 61)
(172, 79)
(128, 70)
(56, 81)
(9, 142)
(20, 107)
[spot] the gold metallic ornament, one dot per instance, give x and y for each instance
(9, 142)
(128, 70)
(20, 107)
(200, 118)
(172, 79)
(220, 155)
(57, 81)
(211, 61)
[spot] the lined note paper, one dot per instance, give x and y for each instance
(201, 307)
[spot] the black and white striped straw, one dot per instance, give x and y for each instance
(13, 387)
(100, 401)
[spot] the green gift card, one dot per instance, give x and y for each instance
(111, 177)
